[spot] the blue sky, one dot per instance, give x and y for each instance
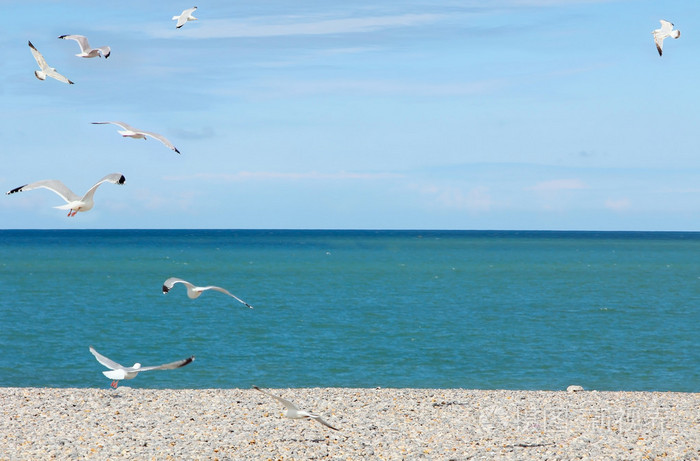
(440, 114)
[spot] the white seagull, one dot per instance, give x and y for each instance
(665, 31)
(85, 50)
(74, 203)
(45, 70)
(193, 292)
(185, 16)
(118, 372)
(293, 412)
(131, 132)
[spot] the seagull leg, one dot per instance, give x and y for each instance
(114, 384)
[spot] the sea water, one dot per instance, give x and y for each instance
(438, 309)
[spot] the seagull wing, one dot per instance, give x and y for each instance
(121, 124)
(225, 291)
(287, 404)
(114, 178)
(61, 78)
(109, 363)
(320, 420)
(160, 138)
(82, 41)
(659, 40)
(39, 58)
(54, 185)
(169, 366)
(666, 27)
(182, 19)
(105, 50)
(170, 283)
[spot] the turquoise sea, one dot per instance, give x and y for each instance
(444, 309)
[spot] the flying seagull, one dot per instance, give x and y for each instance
(85, 50)
(131, 132)
(665, 31)
(185, 16)
(118, 372)
(45, 70)
(293, 412)
(193, 292)
(74, 203)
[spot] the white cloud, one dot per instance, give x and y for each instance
(617, 204)
(395, 87)
(450, 197)
(558, 185)
(280, 26)
(293, 176)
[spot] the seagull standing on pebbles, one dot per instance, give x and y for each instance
(193, 292)
(45, 70)
(293, 412)
(118, 372)
(131, 132)
(85, 50)
(185, 16)
(74, 203)
(665, 31)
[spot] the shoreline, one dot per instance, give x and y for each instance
(384, 423)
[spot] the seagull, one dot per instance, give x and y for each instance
(131, 132)
(118, 372)
(74, 203)
(193, 292)
(85, 50)
(46, 71)
(293, 412)
(185, 16)
(665, 31)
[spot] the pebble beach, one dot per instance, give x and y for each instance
(449, 424)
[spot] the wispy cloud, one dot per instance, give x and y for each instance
(280, 26)
(558, 185)
(476, 199)
(617, 204)
(289, 176)
(390, 87)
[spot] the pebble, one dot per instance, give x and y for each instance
(391, 424)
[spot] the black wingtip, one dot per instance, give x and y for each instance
(175, 149)
(122, 180)
(187, 361)
(62, 36)
(255, 387)
(165, 289)
(16, 189)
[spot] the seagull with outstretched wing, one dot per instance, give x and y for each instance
(86, 51)
(293, 412)
(185, 16)
(665, 31)
(193, 292)
(118, 372)
(44, 69)
(74, 203)
(129, 131)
